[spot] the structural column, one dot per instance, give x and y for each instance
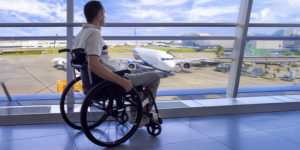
(239, 47)
(70, 74)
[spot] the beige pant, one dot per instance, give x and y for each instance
(150, 80)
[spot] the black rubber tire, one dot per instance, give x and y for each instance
(68, 118)
(90, 132)
(154, 128)
(63, 100)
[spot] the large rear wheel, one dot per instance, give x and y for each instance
(117, 118)
(70, 112)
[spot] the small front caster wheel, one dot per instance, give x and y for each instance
(154, 128)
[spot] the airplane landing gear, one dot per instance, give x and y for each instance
(164, 74)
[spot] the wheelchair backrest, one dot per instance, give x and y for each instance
(78, 58)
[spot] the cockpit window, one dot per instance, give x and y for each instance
(163, 59)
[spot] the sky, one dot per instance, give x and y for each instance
(37, 11)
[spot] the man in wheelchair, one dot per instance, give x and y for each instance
(101, 66)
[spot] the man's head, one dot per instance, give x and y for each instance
(94, 12)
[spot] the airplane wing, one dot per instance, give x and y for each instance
(190, 60)
(125, 60)
(130, 49)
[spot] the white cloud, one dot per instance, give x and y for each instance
(200, 2)
(10, 16)
(297, 19)
(209, 13)
(12, 32)
(34, 11)
(264, 15)
(150, 14)
(265, 12)
(275, 11)
(49, 11)
(79, 17)
(178, 12)
(162, 2)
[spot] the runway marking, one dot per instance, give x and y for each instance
(31, 74)
(47, 87)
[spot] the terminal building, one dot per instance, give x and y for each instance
(273, 45)
(205, 44)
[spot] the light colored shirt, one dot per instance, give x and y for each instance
(90, 39)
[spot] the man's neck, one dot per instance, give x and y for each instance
(95, 23)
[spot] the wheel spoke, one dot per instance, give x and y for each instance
(117, 126)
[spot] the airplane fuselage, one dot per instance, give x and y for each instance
(155, 58)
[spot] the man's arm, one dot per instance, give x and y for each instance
(100, 70)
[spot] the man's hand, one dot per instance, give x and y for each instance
(100, 70)
(127, 85)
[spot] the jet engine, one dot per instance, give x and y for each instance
(187, 65)
(131, 66)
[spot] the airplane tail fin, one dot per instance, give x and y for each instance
(170, 52)
(136, 42)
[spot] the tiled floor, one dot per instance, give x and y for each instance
(260, 131)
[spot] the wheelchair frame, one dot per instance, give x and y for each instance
(113, 107)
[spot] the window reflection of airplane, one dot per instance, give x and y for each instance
(158, 60)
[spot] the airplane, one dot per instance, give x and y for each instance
(59, 63)
(156, 59)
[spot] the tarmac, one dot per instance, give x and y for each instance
(32, 74)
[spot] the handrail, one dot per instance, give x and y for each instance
(153, 38)
(120, 24)
(124, 38)
(175, 24)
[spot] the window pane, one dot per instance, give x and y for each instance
(275, 11)
(32, 11)
(274, 32)
(27, 67)
(271, 63)
(165, 11)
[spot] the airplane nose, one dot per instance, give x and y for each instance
(170, 66)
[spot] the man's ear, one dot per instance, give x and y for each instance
(99, 16)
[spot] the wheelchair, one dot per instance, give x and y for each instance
(106, 113)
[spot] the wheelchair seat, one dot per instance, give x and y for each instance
(79, 62)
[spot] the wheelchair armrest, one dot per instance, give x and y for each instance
(78, 50)
(122, 72)
(63, 50)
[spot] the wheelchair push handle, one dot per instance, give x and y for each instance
(63, 50)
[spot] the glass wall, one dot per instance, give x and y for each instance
(208, 72)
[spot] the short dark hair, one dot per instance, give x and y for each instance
(91, 10)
